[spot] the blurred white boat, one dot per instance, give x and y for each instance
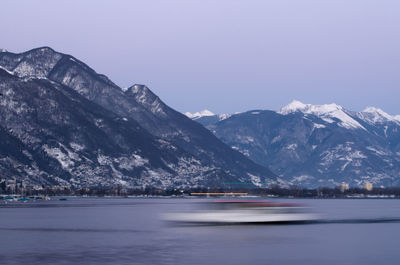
(246, 212)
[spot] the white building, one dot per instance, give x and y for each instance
(368, 186)
(344, 186)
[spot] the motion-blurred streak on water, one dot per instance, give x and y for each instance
(224, 212)
(130, 231)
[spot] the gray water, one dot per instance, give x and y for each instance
(130, 231)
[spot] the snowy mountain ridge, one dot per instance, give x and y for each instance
(317, 145)
(375, 115)
(206, 114)
(327, 112)
(330, 113)
(62, 123)
(199, 114)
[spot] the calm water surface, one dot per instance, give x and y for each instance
(130, 231)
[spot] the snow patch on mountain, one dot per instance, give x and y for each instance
(226, 116)
(302, 178)
(10, 72)
(292, 147)
(131, 162)
(379, 152)
(33, 64)
(64, 158)
(146, 97)
(319, 126)
(343, 152)
(256, 180)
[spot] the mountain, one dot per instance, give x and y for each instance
(207, 117)
(196, 115)
(318, 145)
(75, 127)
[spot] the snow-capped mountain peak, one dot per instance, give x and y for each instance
(327, 112)
(293, 106)
(376, 115)
(207, 116)
(296, 106)
(377, 111)
(199, 114)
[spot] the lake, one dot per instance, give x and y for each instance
(130, 231)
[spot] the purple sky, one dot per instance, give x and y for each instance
(226, 55)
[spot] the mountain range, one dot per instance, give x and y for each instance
(317, 145)
(62, 123)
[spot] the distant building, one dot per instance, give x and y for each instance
(344, 186)
(368, 186)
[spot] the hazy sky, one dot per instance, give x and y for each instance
(226, 55)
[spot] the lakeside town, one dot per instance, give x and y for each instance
(15, 190)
